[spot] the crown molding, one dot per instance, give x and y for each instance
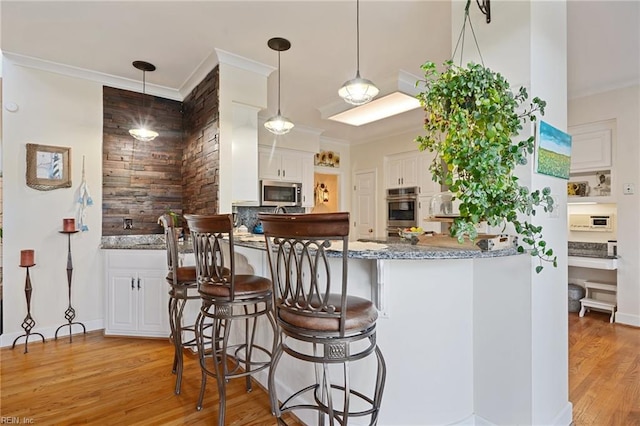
(241, 62)
(98, 77)
(199, 74)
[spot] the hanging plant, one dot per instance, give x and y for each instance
(471, 116)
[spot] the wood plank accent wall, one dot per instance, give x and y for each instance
(141, 180)
(177, 171)
(200, 162)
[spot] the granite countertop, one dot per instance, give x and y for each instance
(593, 250)
(392, 248)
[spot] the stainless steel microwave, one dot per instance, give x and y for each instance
(277, 193)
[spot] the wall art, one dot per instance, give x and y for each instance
(327, 159)
(553, 151)
(48, 167)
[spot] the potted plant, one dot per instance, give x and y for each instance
(471, 117)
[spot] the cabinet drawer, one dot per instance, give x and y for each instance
(137, 259)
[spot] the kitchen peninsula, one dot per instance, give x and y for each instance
(455, 327)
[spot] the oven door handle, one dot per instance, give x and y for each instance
(404, 198)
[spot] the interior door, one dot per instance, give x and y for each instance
(365, 204)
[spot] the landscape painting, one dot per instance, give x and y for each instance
(553, 151)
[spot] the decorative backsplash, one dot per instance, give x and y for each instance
(248, 216)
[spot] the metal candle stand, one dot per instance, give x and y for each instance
(28, 323)
(70, 313)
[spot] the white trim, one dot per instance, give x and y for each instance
(577, 94)
(98, 77)
(627, 319)
(199, 74)
(241, 62)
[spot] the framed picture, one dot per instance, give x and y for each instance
(48, 167)
(577, 189)
(327, 159)
(553, 151)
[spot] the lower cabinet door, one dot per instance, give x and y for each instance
(122, 301)
(153, 298)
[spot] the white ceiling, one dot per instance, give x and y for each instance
(178, 36)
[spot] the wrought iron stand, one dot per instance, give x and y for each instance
(28, 323)
(70, 313)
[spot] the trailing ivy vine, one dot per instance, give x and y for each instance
(471, 116)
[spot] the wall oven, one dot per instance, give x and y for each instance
(276, 193)
(402, 209)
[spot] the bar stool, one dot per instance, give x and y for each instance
(182, 282)
(228, 299)
(319, 321)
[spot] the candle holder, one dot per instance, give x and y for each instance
(70, 313)
(28, 323)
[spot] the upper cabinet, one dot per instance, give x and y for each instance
(402, 170)
(411, 169)
(289, 166)
(590, 150)
(280, 164)
(592, 174)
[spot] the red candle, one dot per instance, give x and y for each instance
(27, 257)
(68, 225)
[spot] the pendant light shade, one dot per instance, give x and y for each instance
(141, 133)
(358, 91)
(278, 124)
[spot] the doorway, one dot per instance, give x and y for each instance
(326, 193)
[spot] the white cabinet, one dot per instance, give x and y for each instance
(590, 150)
(402, 170)
(423, 213)
(307, 180)
(411, 169)
(280, 164)
(137, 293)
(592, 174)
(425, 179)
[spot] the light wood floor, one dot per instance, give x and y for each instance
(604, 371)
(100, 380)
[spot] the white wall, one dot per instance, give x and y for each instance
(623, 106)
(60, 111)
(370, 156)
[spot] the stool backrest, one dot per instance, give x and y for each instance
(207, 233)
(166, 220)
(300, 268)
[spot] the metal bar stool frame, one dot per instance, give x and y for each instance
(182, 288)
(227, 298)
(339, 328)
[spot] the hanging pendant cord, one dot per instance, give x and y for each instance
(279, 83)
(144, 85)
(462, 35)
(358, 37)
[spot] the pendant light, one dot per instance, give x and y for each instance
(279, 125)
(141, 133)
(358, 91)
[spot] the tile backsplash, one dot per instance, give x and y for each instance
(248, 216)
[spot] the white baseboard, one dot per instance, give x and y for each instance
(7, 339)
(628, 319)
(565, 416)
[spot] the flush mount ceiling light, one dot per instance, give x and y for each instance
(141, 133)
(279, 125)
(397, 95)
(358, 91)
